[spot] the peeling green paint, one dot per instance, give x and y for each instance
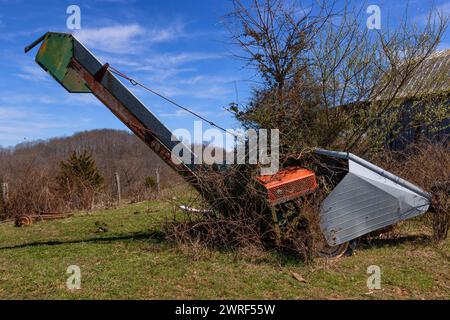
(54, 56)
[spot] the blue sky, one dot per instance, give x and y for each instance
(178, 48)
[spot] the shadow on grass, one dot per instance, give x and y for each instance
(292, 259)
(151, 235)
(421, 240)
(280, 258)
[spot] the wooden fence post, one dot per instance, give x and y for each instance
(158, 180)
(118, 190)
(5, 193)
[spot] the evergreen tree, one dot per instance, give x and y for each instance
(79, 179)
(80, 169)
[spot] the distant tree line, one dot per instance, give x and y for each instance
(49, 175)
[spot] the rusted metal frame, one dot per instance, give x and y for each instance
(130, 120)
(35, 43)
(92, 65)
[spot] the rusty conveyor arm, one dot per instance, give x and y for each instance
(79, 71)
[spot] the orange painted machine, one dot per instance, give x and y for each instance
(288, 184)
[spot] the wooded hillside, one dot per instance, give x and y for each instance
(37, 163)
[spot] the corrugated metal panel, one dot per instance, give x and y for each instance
(432, 76)
(368, 198)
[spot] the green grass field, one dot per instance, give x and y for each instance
(131, 260)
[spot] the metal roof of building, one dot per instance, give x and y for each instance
(431, 77)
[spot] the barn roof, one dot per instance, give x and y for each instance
(432, 77)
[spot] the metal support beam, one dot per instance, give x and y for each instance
(146, 134)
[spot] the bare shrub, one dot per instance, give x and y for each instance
(237, 213)
(33, 193)
(239, 217)
(441, 211)
(254, 254)
(194, 249)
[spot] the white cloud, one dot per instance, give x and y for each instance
(18, 123)
(128, 38)
(119, 61)
(169, 70)
(117, 39)
(32, 72)
(202, 79)
(180, 58)
(182, 113)
(11, 113)
(80, 99)
(206, 90)
(23, 98)
(61, 98)
(165, 34)
(24, 33)
(167, 64)
(212, 92)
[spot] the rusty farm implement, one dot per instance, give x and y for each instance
(367, 198)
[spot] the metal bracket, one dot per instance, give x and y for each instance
(101, 72)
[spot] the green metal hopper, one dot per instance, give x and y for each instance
(54, 56)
